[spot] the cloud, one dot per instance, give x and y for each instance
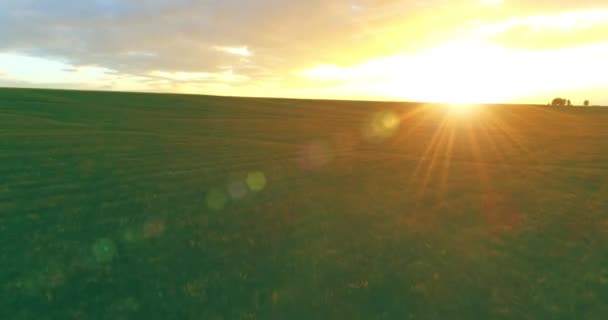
(189, 36)
(491, 2)
(227, 76)
(235, 46)
(237, 51)
(23, 70)
(141, 54)
(548, 30)
(375, 69)
(471, 71)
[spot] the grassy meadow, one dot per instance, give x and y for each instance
(151, 206)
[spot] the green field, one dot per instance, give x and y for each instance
(149, 206)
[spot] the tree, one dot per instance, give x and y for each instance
(569, 103)
(586, 103)
(558, 102)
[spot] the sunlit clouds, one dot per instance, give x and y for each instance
(237, 51)
(490, 62)
(540, 25)
(226, 76)
(491, 2)
(23, 71)
(457, 52)
(478, 69)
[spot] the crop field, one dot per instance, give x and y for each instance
(153, 206)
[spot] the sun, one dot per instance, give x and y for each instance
(459, 72)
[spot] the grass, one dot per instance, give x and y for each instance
(148, 206)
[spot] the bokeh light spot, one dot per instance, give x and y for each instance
(382, 126)
(237, 190)
(154, 227)
(315, 155)
(389, 120)
(216, 199)
(256, 181)
(104, 250)
(131, 235)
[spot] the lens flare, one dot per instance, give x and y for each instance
(104, 250)
(383, 125)
(256, 181)
(154, 227)
(237, 190)
(315, 155)
(216, 199)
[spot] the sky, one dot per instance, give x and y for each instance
(414, 50)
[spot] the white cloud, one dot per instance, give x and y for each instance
(144, 54)
(572, 20)
(237, 51)
(227, 76)
(38, 71)
(380, 68)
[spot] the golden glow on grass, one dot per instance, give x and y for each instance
(462, 109)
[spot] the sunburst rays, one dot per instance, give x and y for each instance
(462, 153)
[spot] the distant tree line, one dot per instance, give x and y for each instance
(561, 102)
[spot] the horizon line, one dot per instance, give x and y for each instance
(283, 98)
